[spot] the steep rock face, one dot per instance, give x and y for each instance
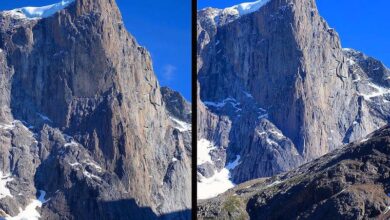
(349, 183)
(94, 129)
(176, 104)
(282, 66)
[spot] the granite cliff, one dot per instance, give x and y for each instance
(83, 122)
(277, 89)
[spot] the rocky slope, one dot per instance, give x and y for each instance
(83, 124)
(350, 183)
(278, 89)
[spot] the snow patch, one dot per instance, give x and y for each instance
(44, 117)
(75, 164)
(4, 179)
(233, 102)
(246, 7)
(210, 187)
(219, 183)
(91, 176)
(379, 91)
(204, 148)
(32, 13)
(351, 62)
(247, 94)
(277, 182)
(93, 164)
(72, 143)
(387, 210)
(262, 113)
(7, 127)
(31, 212)
(181, 125)
(234, 164)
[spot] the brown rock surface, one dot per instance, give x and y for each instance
(84, 90)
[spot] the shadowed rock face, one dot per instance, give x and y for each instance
(350, 183)
(176, 104)
(82, 117)
(285, 87)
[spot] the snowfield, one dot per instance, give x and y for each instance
(4, 179)
(31, 212)
(181, 125)
(247, 7)
(31, 13)
(220, 182)
(204, 148)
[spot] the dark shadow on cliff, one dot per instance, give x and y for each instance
(83, 199)
(128, 209)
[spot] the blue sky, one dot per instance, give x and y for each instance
(362, 24)
(163, 27)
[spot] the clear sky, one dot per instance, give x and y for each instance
(362, 24)
(163, 27)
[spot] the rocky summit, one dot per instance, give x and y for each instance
(277, 90)
(86, 132)
(352, 182)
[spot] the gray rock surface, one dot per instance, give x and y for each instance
(278, 89)
(349, 183)
(176, 104)
(83, 119)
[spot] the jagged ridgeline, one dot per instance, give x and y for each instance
(85, 131)
(276, 90)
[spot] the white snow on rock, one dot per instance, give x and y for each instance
(204, 148)
(262, 113)
(378, 91)
(220, 182)
(44, 117)
(221, 104)
(215, 185)
(4, 179)
(233, 102)
(234, 164)
(247, 7)
(93, 164)
(248, 95)
(235, 12)
(75, 164)
(32, 13)
(7, 126)
(181, 125)
(91, 176)
(277, 182)
(31, 212)
(72, 143)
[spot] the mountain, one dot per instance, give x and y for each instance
(349, 183)
(278, 90)
(85, 131)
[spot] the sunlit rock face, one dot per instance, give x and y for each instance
(83, 119)
(277, 88)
